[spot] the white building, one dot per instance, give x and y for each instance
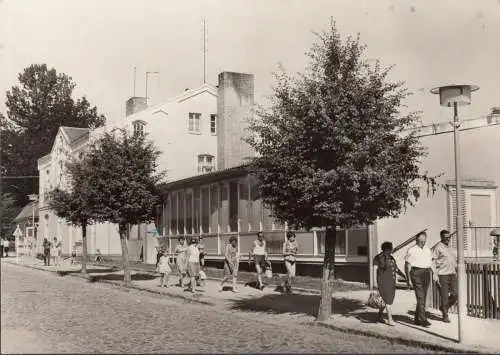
(184, 129)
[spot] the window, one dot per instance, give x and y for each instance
(194, 122)
(213, 124)
(139, 128)
(206, 163)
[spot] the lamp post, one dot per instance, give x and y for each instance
(454, 96)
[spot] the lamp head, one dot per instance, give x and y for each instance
(448, 95)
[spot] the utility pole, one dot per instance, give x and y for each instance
(135, 75)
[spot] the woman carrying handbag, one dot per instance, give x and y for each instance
(385, 269)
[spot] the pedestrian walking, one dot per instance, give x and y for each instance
(1, 248)
(231, 263)
(6, 247)
(201, 248)
(180, 259)
(73, 254)
(445, 265)
(46, 252)
(290, 250)
(163, 268)
(258, 253)
(418, 268)
(193, 263)
(54, 252)
(386, 271)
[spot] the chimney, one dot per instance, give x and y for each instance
(235, 105)
(134, 105)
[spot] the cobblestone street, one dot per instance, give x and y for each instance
(43, 312)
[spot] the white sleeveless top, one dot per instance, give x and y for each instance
(259, 248)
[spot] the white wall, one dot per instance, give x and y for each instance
(480, 158)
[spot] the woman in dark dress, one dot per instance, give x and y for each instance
(386, 269)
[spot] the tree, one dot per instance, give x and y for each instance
(36, 109)
(122, 183)
(332, 147)
(73, 204)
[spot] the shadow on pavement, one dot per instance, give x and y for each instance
(119, 277)
(294, 303)
(89, 271)
(409, 322)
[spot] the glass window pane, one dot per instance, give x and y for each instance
(233, 206)
(243, 205)
(189, 211)
(181, 221)
(224, 208)
(210, 244)
(357, 240)
(205, 211)
(173, 213)
(256, 205)
(214, 208)
(196, 211)
(339, 242)
(274, 241)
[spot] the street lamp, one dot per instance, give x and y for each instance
(454, 96)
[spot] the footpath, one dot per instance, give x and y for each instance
(350, 312)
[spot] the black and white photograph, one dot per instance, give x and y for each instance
(265, 176)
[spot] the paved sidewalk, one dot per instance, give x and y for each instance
(350, 312)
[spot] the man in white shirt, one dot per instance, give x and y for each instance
(6, 247)
(418, 267)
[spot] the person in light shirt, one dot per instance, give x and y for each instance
(445, 264)
(418, 267)
(259, 254)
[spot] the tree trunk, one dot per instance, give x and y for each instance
(123, 241)
(84, 248)
(325, 305)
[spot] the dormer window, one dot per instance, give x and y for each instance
(139, 128)
(206, 163)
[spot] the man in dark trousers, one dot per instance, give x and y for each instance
(418, 267)
(445, 264)
(1, 248)
(46, 252)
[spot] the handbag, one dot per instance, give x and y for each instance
(202, 275)
(269, 271)
(375, 301)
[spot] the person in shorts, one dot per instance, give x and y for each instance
(290, 250)
(193, 263)
(163, 268)
(258, 253)
(231, 262)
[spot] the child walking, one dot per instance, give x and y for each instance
(163, 268)
(231, 263)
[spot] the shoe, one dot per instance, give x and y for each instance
(425, 323)
(391, 323)
(446, 319)
(234, 290)
(221, 288)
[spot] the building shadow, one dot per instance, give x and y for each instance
(429, 315)
(89, 271)
(295, 304)
(119, 277)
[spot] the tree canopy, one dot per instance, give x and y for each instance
(332, 147)
(41, 103)
(122, 180)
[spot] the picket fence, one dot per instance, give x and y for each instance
(483, 291)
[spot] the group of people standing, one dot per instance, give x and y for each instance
(421, 266)
(52, 250)
(190, 260)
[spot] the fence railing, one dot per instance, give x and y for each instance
(483, 291)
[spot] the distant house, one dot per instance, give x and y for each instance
(27, 220)
(184, 128)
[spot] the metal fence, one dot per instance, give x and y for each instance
(483, 291)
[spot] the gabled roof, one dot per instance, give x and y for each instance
(26, 212)
(74, 133)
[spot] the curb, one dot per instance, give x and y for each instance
(401, 340)
(135, 287)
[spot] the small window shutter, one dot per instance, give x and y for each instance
(465, 222)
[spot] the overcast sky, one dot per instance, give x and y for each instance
(99, 42)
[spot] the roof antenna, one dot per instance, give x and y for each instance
(204, 51)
